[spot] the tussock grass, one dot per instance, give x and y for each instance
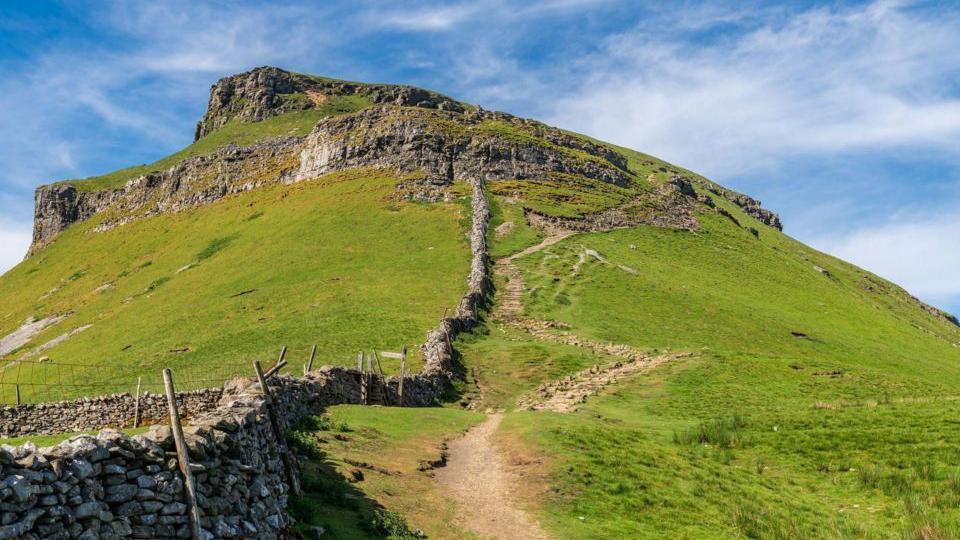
(719, 432)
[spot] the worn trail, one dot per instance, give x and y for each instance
(477, 478)
(510, 299)
(567, 394)
(475, 475)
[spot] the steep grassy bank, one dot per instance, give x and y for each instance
(334, 261)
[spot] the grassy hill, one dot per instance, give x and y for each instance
(815, 399)
(336, 262)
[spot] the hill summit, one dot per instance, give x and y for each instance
(273, 126)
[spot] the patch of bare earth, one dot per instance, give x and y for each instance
(21, 336)
(317, 98)
(485, 486)
(504, 229)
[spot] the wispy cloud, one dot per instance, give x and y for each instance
(826, 80)
(430, 18)
(440, 16)
(15, 239)
(920, 254)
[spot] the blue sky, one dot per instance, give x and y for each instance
(842, 117)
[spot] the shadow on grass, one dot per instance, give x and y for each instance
(456, 390)
(331, 506)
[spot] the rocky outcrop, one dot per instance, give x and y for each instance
(439, 144)
(58, 206)
(193, 182)
(939, 313)
(268, 91)
(447, 145)
(668, 206)
(749, 205)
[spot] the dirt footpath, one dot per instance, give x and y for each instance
(476, 477)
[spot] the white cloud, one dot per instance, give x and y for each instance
(920, 255)
(431, 19)
(14, 241)
(821, 81)
(443, 17)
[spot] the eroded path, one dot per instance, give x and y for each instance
(509, 306)
(567, 394)
(476, 476)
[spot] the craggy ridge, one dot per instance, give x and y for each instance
(404, 129)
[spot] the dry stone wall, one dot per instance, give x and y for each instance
(339, 385)
(87, 414)
(115, 486)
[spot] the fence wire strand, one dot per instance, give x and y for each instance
(45, 381)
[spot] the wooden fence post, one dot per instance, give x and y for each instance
(278, 431)
(363, 380)
(182, 456)
(280, 363)
(136, 406)
(313, 354)
(403, 368)
(273, 371)
(383, 380)
(18, 394)
(369, 378)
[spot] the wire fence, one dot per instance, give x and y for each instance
(41, 381)
(34, 381)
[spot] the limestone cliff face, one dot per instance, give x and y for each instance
(408, 140)
(57, 206)
(191, 183)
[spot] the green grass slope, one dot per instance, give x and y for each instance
(816, 405)
(334, 261)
